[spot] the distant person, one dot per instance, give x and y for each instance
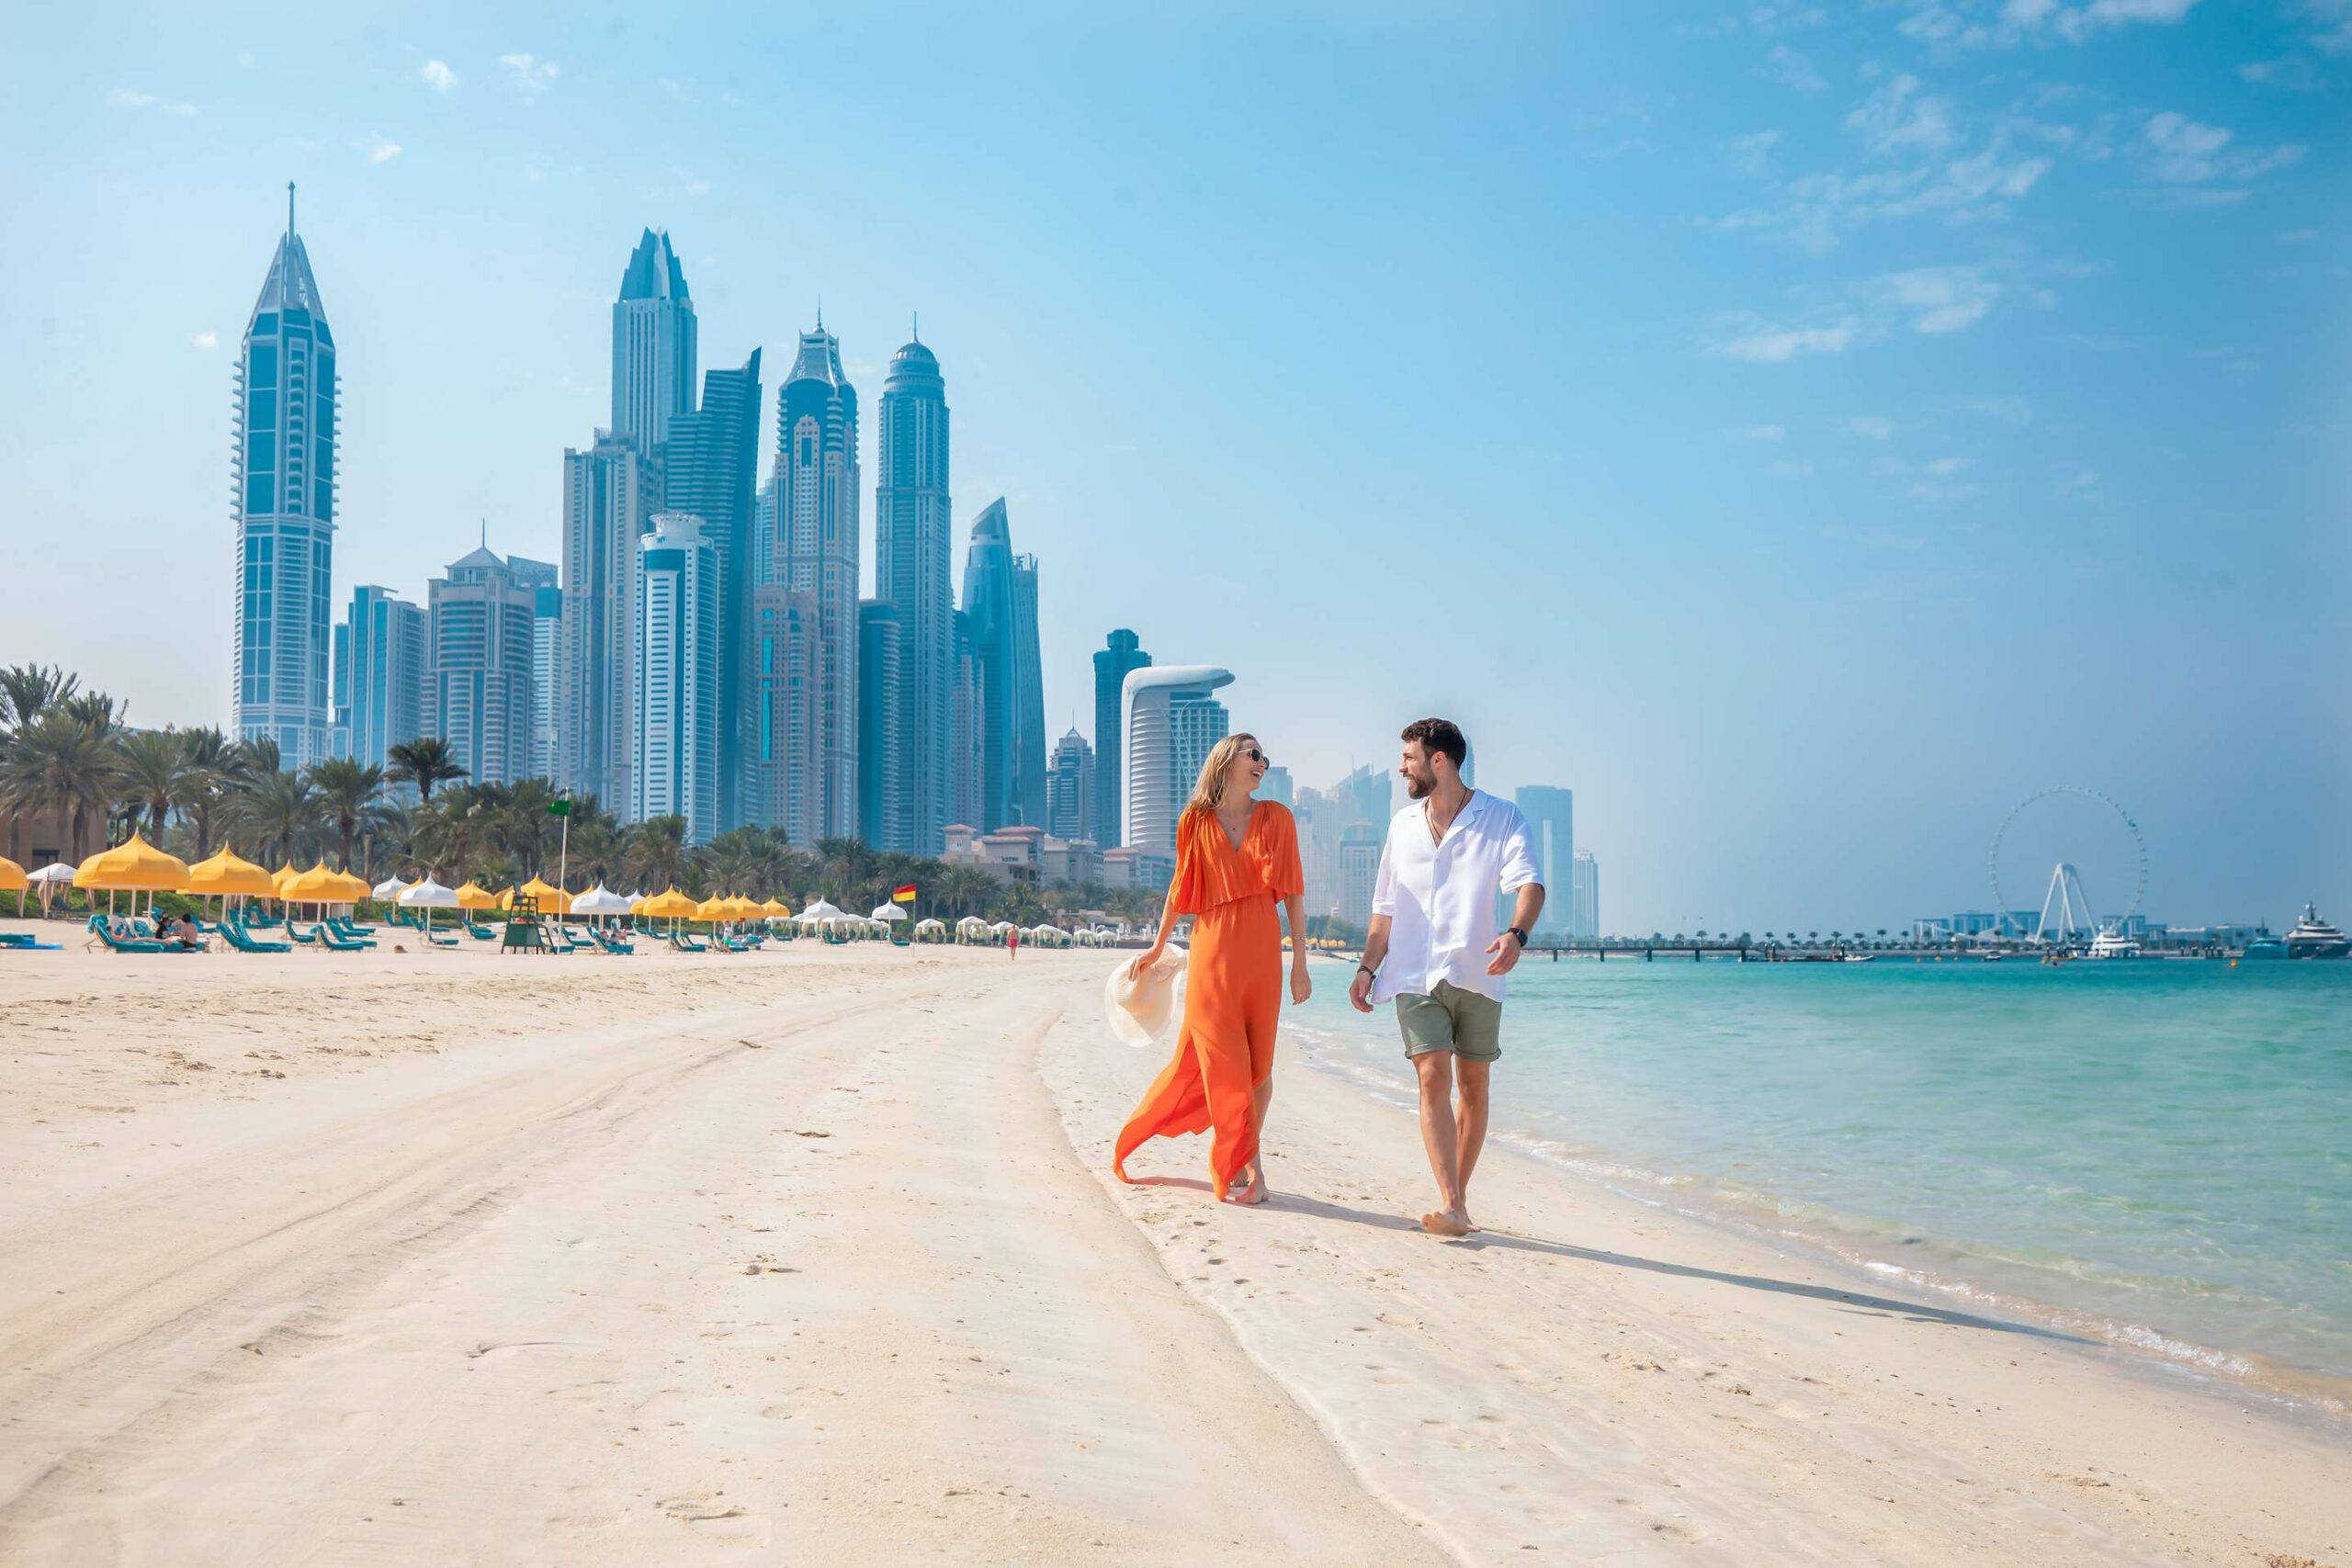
(1236, 859)
(1433, 950)
(1013, 942)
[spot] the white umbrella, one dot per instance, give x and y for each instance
(891, 913)
(427, 896)
(389, 889)
(819, 912)
(600, 900)
(59, 872)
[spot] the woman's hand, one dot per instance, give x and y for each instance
(1144, 960)
(1301, 987)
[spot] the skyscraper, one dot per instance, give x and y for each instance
(1550, 821)
(1584, 895)
(653, 345)
(608, 494)
(478, 669)
(710, 470)
(379, 675)
(1277, 787)
(883, 808)
(966, 710)
(1070, 789)
(1000, 611)
(538, 576)
(1119, 655)
(1172, 721)
(913, 566)
(675, 684)
(1029, 734)
(284, 504)
(805, 606)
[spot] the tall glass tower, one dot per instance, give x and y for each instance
(653, 344)
(712, 473)
(913, 560)
(284, 502)
(675, 681)
(1120, 655)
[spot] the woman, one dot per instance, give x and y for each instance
(1236, 858)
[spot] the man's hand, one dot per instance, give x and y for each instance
(1503, 955)
(1360, 993)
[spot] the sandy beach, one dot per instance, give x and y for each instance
(812, 1255)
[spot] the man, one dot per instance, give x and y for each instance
(1434, 952)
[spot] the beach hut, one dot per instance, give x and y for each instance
(971, 929)
(49, 878)
(931, 930)
(428, 895)
(136, 866)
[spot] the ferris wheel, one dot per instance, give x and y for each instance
(2066, 907)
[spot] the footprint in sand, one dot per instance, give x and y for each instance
(715, 1517)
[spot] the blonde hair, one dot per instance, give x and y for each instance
(1208, 790)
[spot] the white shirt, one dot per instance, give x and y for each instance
(1440, 896)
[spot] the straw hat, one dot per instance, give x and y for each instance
(1138, 1010)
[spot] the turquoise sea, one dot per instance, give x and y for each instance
(2154, 1152)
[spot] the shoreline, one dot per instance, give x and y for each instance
(1838, 1240)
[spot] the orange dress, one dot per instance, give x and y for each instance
(1232, 987)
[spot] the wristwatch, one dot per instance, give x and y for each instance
(1521, 934)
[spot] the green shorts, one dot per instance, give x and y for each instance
(1451, 1019)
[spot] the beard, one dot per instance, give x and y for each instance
(1418, 785)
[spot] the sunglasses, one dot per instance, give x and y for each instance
(1255, 755)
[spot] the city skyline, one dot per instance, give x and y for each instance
(1885, 453)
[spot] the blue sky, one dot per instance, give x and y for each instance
(1805, 430)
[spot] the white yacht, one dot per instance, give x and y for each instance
(2314, 938)
(2112, 943)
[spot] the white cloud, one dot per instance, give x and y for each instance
(2009, 409)
(1763, 433)
(437, 74)
(207, 342)
(1751, 154)
(2079, 483)
(532, 75)
(1790, 467)
(1868, 427)
(1950, 25)
(1938, 300)
(2298, 236)
(2177, 150)
(1941, 466)
(2334, 18)
(378, 149)
(132, 98)
(1777, 346)
(1789, 68)
(1898, 116)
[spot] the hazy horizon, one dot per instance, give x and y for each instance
(1803, 430)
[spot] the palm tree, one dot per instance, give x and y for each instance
(424, 761)
(346, 791)
(61, 764)
(210, 762)
(154, 774)
(27, 689)
(961, 890)
(277, 812)
(657, 852)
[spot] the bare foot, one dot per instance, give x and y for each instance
(1445, 1223)
(1256, 1191)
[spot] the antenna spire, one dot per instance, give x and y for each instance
(485, 532)
(917, 326)
(820, 313)
(289, 210)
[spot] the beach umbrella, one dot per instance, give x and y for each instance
(320, 886)
(890, 913)
(776, 909)
(228, 873)
(47, 879)
(711, 908)
(427, 896)
(389, 890)
(13, 880)
(552, 899)
(670, 905)
(820, 911)
(136, 866)
(600, 900)
(471, 897)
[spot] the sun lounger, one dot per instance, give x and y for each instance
(22, 941)
(609, 944)
(101, 932)
(328, 938)
(239, 939)
(480, 932)
(688, 945)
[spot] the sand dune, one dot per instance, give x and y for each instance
(810, 1256)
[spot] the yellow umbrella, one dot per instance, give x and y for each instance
(320, 885)
(472, 897)
(742, 909)
(351, 889)
(226, 873)
(552, 900)
(283, 877)
(670, 906)
(711, 908)
(776, 910)
(12, 876)
(135, 866)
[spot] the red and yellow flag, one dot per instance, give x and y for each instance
(905, 895)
